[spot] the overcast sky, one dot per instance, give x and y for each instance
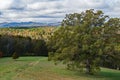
(52, 10)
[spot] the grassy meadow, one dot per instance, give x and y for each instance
(39, 68)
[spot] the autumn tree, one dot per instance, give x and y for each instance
(1, 54)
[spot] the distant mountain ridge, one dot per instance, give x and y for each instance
(27, 24)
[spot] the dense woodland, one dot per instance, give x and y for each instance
(87, 40)
(24, 42)
(22, 46)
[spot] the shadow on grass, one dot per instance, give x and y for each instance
(28, 58)
(111, 75)
(23, 60)
(102, 75)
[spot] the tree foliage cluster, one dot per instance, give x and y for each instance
(87, 41)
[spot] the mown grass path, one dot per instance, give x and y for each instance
(38, 68)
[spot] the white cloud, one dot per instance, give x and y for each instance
(5, 4)
(43, 5)
(52, 10)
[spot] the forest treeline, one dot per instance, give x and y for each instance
(22, 46)
(24, 41)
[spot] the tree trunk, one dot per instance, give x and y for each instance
(118, 67)
(88, 68)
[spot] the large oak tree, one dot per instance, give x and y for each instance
(81, 42)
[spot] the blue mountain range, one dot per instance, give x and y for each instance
(27, 24)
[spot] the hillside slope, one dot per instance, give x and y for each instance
(38, 68)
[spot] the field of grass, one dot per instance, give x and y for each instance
(38, 68)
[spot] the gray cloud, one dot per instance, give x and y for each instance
(52, 10)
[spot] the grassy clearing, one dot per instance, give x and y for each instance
(38, 68)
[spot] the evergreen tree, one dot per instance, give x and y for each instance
(15, 55)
